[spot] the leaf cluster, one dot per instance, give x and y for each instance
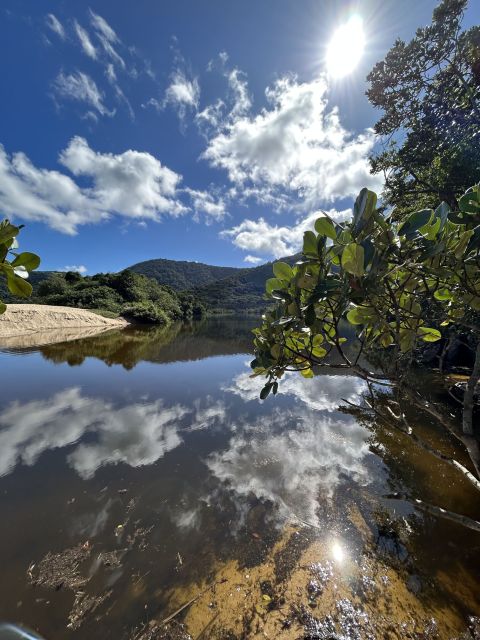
(14, 266)
(379, 276)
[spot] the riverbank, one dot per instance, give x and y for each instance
(25, 325)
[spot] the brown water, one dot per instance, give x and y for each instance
(139, 470)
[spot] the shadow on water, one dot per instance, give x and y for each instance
(127, 491)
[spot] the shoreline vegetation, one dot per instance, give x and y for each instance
(184, 290)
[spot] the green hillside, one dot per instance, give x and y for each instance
(231, 289)
(182, 275)
(239, 293)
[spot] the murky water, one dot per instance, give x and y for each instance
(139, 470)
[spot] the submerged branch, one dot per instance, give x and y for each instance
(432, 509)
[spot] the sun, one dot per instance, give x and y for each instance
(345, 48)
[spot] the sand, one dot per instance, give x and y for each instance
(27, 325)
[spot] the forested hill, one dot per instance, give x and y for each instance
(218, 288)
(182, 275)
(243, 291)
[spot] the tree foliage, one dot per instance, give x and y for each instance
(429, 91)
(14, 266)
(129, 293)
(377, 276)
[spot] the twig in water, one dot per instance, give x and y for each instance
(190, 602)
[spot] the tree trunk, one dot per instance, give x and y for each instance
(468, 398)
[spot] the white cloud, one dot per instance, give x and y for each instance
(182, 94)
(214, 116)
(55, 25)
(204, 202)
(85, 41)
(296, 148)
(182, 91)
(121, 97)
(80, 87)
(44, 196)
(272, 240)
(252, 259)
(107, 38)
(102, 27)
(78, 268)
(237, 81)
(100, 43)
(132, 184)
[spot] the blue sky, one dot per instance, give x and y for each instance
(191, 130)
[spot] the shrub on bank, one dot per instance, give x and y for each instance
(145, 313)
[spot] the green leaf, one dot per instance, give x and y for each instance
(7, 231)
(18, 286)
(369, 250)
(364, 207)
(310, 316)
(324, 227)
(317, 340)
(307, 373)
(415, 221)
(26, 259)
(310, 243)
(272, 284)
(276, 351)
(359, 315)
(441, 212)
(353, 257)
(461, 245)
(474, 241)
(442, 294)
(431, 229)
(3, 307)
(474, 302)
(265, 392)
(428, 334)
(469, 202)
(386, 339)
(407, 338)
(283, 271)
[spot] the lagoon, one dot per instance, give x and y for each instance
(140, 472)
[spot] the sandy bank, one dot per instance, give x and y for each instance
(26, 325)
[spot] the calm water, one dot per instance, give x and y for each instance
(149, 454)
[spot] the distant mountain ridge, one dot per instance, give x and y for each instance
(182, 275)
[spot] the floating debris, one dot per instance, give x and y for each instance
(83, 605)
(57, 570)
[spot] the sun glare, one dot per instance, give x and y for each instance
(346, 48)
(338, 554)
